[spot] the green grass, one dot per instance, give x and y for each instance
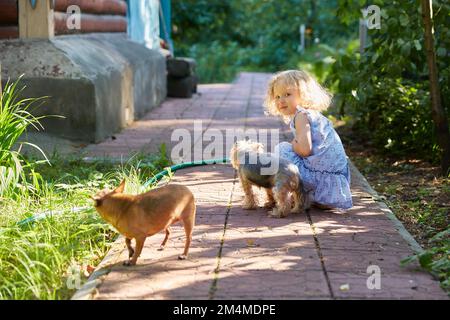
(16, 118)
(35, 259)
(42, 260)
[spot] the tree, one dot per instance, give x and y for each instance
(437, 110)
(386, 89)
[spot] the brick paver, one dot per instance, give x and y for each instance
(239, 254)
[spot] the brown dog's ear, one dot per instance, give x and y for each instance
(121, 187)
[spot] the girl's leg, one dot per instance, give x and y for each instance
(321, 206)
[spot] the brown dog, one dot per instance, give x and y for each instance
(143, 215)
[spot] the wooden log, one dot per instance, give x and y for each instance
(9, 12)
(91, 23)
(9, 32)
(118, 7)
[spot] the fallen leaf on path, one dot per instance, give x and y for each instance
(251, 243)
(344, 287)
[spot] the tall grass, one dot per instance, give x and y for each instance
(15, 118)
(35, 259)
(40, 260)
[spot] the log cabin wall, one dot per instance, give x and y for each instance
(9, 19)
(96, 16)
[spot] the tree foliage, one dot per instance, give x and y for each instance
(386, 88)
(253, 34)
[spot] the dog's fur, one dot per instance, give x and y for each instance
(284, 188)
(143, 215)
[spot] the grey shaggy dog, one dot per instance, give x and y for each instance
(279, 177)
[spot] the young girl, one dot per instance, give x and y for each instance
(316, 148)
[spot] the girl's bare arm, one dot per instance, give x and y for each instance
(302, 143)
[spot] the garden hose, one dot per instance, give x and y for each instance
(50, 213)
(183, 165)
(156, 178)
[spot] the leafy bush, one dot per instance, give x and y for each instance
(436, 259)
(319, 59)
(250, 35)
(385, 89)
(396, 118)
(217, 62)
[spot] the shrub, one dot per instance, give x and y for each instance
(385, 89)
(15, 118)
(436, 259)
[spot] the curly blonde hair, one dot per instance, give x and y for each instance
(313, 95)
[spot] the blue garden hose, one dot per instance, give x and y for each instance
(155, 179)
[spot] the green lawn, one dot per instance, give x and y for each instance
(47, 258)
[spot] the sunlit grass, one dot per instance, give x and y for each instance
(38, 260)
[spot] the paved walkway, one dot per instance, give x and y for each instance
(238, 254)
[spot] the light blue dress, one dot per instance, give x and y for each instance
(325, 173)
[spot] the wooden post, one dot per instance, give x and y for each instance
(362, 35)
(37, 22)
(301, 47)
